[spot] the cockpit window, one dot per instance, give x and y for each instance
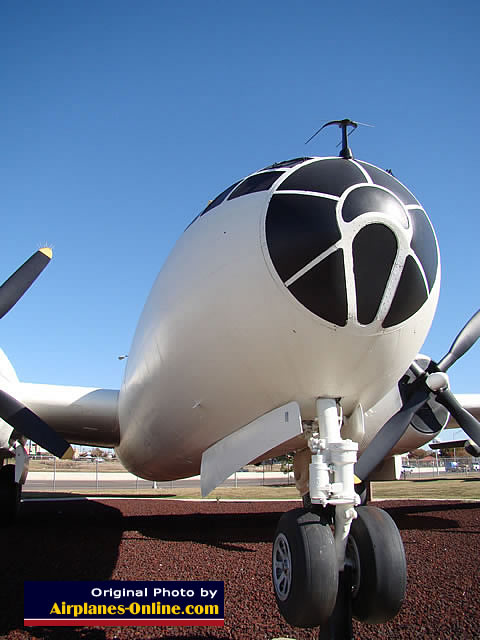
(220, 198)
(257, 182)
(287, 163)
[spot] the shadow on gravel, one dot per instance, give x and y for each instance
(79, 540)
(420, 516)
(218, 530)
(428, 507)
(74, 540)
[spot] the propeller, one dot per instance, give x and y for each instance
(462, 343)
(13, 289)
(12, 411)
(469, 423)
(427, 382)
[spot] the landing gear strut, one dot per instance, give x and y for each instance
(322, 578)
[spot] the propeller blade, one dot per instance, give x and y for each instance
(465, 420)
(462, 343)
(18, 416)
(389, 435)
(393, 429)
(13, 289)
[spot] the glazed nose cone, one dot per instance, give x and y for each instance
(351, 243)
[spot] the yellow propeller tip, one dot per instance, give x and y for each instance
(68, 455)
(357, 480)
(47, 252)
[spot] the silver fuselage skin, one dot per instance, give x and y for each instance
(221, 341)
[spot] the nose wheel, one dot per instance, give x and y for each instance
(304, 568)
(376, 556)
(308, 587)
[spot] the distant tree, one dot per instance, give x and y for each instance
(97, 453)
(286, 462)
(457, 452)
(417, 454)
(445, 453)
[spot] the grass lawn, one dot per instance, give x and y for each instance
(464, 488)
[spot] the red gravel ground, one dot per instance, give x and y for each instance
(172, 540)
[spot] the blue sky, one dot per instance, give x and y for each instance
(120, 120)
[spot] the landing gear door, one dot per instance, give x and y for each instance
(248, 443)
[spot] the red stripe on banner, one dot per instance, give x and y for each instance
(124, 622)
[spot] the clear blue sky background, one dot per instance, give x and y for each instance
(120, 120)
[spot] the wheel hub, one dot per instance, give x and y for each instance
(353, 560)
(282, 567)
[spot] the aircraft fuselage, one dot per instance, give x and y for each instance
(289, 292)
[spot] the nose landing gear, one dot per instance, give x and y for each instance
(309, 589)
(330, 561)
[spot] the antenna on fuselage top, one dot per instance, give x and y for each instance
(346, 152)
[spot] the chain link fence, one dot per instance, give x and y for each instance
(107, 475)
(441, 466)
(48, 474)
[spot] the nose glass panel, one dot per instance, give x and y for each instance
(330, 253)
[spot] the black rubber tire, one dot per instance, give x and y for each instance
(379, 567)
(308, 597)
(10, 493)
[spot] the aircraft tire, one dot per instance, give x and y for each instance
(304, 568)
(10, 492)
(375, 550)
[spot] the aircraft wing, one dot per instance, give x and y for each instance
(81, 415)
(451, 444)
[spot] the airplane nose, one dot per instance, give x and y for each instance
(351, 243)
